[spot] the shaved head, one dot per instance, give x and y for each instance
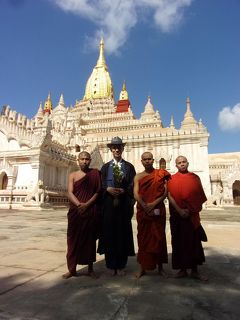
(181, 158)
(182, 164)
(147, 155)
(84, 154)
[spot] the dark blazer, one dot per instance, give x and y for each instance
(127, 183)
(116, 237)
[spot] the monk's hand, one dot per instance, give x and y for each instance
(149, 207)
(151, 213)
(144, 206)
(82, 207)
(184, 213)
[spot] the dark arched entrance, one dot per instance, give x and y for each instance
(3, 181)
(236, 192)
(162, 163)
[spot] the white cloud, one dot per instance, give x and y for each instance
(229, 118)
(115, 18)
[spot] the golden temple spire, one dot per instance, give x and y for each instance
(48, 104)
(123, 104)
(99, 84)
(101, 59)
(123, 94)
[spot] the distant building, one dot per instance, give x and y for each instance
(38, 154)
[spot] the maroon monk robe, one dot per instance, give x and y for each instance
(152, 247)
(82, 230)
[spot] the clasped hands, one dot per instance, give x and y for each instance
(115, 191)
(82, 207)
(184, 213)
(148, 208)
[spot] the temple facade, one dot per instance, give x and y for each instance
(38, 154)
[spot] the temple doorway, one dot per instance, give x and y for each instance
(3, 181)
(236, 192)
(162, 163)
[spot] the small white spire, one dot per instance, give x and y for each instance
(188, 121)
(61, 100)
(172, 122)
(39, 113)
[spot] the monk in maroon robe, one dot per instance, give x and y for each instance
(149, 191)
(186, 196)
(83, 217)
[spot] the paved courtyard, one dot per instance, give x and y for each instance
(32, 260)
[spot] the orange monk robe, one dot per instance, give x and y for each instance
(186, 189)
(152, 247)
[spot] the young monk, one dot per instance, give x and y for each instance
(150, 189)
(84, 186)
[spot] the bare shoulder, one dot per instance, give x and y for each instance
(138, 176)
(73, 174)
(76, 175)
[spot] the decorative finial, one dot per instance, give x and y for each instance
(172, 122)
(123, 94)
(48, 104)
(61, 100)
(101, 60)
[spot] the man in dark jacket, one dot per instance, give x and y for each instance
(116, 239)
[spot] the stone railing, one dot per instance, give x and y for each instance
(17, 199)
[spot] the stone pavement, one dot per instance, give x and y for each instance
(32, 260)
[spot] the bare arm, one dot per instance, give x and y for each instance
(136, 192)
(184, 213)
(71, 196)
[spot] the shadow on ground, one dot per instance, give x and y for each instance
(48, 297)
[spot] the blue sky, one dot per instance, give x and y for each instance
(166, 49)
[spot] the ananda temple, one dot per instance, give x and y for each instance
(37, 155)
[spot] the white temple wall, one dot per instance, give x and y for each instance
(55, 176)
(205, 176)
(13, 145)
(51, 180)
(46, 174)
(26, 176)
(3, 141)
(6, 144)
(134, 158)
